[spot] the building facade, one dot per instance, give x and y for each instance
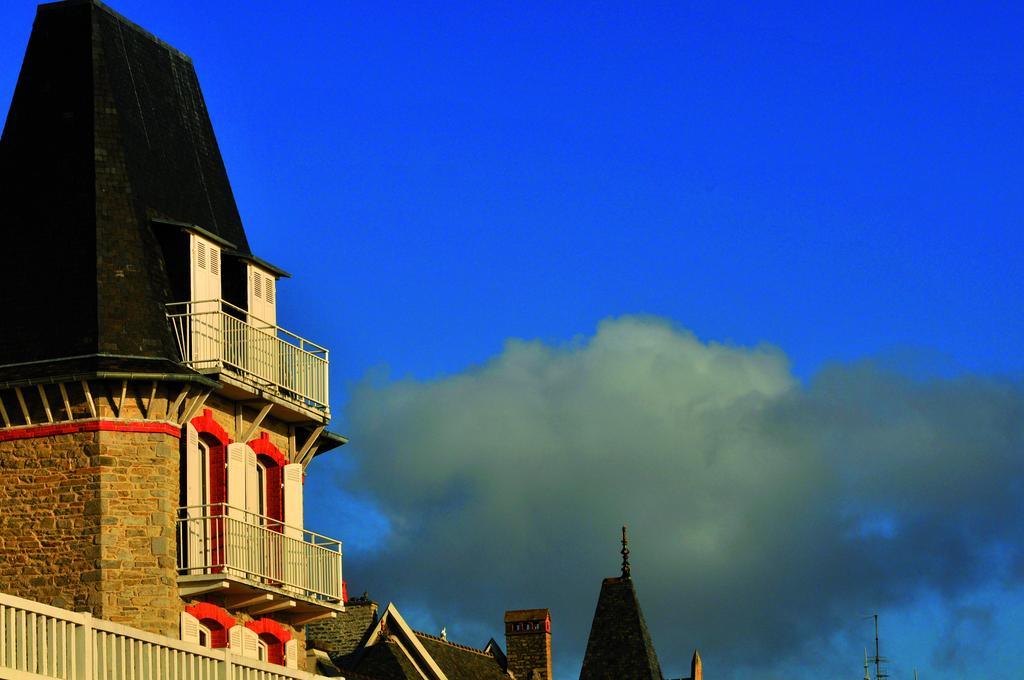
(155, 421)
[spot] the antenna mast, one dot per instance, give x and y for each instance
(879, 675)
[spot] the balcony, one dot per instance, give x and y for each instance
(39, 641)
(258, 563)
(215, 336)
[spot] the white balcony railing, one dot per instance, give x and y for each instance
(216, 335)
(40, 641)
(221, 539)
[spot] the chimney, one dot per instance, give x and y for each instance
(528, 643)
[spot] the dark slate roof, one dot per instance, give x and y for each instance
(382, 661)
(385, 660)
(459, 662)
(107, 131)
(619, 647)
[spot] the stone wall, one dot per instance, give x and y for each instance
(139, 499)
(88, 524)
(89, 520)
(528, 643)
(342, 635)
(50, 524)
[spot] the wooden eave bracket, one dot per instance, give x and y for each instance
(255, 425)
(308, 448)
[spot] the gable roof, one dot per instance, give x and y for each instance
(394, 651)
(619, 647)
(460, 662)
(107, 131)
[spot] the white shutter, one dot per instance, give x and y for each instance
(196, 516)
(205, 269)
(235, 640)
(291, 654)
(193, 469)
(189, 628)
(250, 643)
(252, 498)
(206, 326)
(294, 555)
(262, 298)
(293, 500)
(236, 479)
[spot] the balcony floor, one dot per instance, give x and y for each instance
(239, 592)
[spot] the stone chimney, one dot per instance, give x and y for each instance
(528, 643)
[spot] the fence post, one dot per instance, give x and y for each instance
(84, 643)
(226, 667)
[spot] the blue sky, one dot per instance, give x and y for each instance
(839, 181)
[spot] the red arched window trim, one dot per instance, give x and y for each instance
(214, 618)
(218, 439)
(264, 447)
(206, 423)
(274, 460)
(274, 634)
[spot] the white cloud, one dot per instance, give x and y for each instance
(756, 505)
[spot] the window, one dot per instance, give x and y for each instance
(204, 473)
(205, 638)
(273, 642)
(261, 491)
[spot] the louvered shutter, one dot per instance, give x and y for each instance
(206, 279)
(235, 640)
(294, 555)
(291, 654)
(262, 298)
(250, 643)
(189, 628)
(193, 468)
(206, 290)
(252, 498)
(237, 486)
(293, 499)
(196, 515)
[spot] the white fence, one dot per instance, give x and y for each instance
(214, 334)
(220, 539)
(38, 641)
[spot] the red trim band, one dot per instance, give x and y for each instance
(34, 431)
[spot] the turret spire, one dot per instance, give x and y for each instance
(625, 554)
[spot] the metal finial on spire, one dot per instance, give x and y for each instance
(625, 554)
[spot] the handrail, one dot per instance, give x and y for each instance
(217, 335)
(219, 538)
(263, 520)
(42, 641)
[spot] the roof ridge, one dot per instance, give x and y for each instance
(121, 18)
(467, 648)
